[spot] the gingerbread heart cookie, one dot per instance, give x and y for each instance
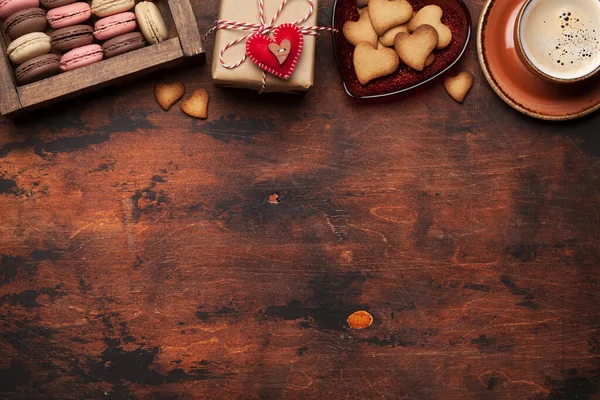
(458, 86)
(386, 14)
(371, 63)
(432, 15)
(361, 30)
(429, 60)
(387, 39)
(413, 49)
(168, 94)
(197, 104)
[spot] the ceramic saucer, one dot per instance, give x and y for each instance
(514, 82)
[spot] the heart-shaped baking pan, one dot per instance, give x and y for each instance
(456, 17)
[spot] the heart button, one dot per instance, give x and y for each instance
(280, 51)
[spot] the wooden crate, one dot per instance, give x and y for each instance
(184, 41)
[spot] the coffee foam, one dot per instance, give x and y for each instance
(562, 37)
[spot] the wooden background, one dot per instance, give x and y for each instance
(141, 256)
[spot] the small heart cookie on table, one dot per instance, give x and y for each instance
(414, 49)
(371, 63)
(167, 94)
(432, 15)
(361, 30)
(458, 86)
(386, 14)
(197, 104)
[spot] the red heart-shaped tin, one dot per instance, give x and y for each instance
(456, 17)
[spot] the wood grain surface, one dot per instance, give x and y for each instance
(148, 255)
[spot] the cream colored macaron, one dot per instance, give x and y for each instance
(28, 46)
(104, 8)
(151, 22)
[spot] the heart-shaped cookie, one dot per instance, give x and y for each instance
(432, 15)
(386, 14)
(361, 30)
(413, 49)
(259, 50)
(429, 60)
(371, 63)
(458, 86)
(387, 39)
(197, 104)
(168, 94)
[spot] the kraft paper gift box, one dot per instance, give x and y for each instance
(249, 75)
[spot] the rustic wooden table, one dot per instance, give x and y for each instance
(148, 255)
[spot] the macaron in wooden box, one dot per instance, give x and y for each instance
(58, 49)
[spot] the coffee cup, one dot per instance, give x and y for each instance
(560, 39)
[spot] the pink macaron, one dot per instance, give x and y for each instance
(81, 56)
(71, 14)
(115, 25)
(9, 7)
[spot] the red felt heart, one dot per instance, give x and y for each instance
(257, 48)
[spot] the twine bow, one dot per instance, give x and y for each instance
(262, 28)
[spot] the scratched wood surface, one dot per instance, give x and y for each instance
(147, 255)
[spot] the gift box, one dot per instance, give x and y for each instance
(248, 75)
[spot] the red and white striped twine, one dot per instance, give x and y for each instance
(261, 28)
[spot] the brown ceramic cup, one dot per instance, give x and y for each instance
(560, 18)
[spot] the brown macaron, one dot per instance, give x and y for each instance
(123, 44)
(38, 68)
(65, 39)
(24, 22)
(56, 3)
